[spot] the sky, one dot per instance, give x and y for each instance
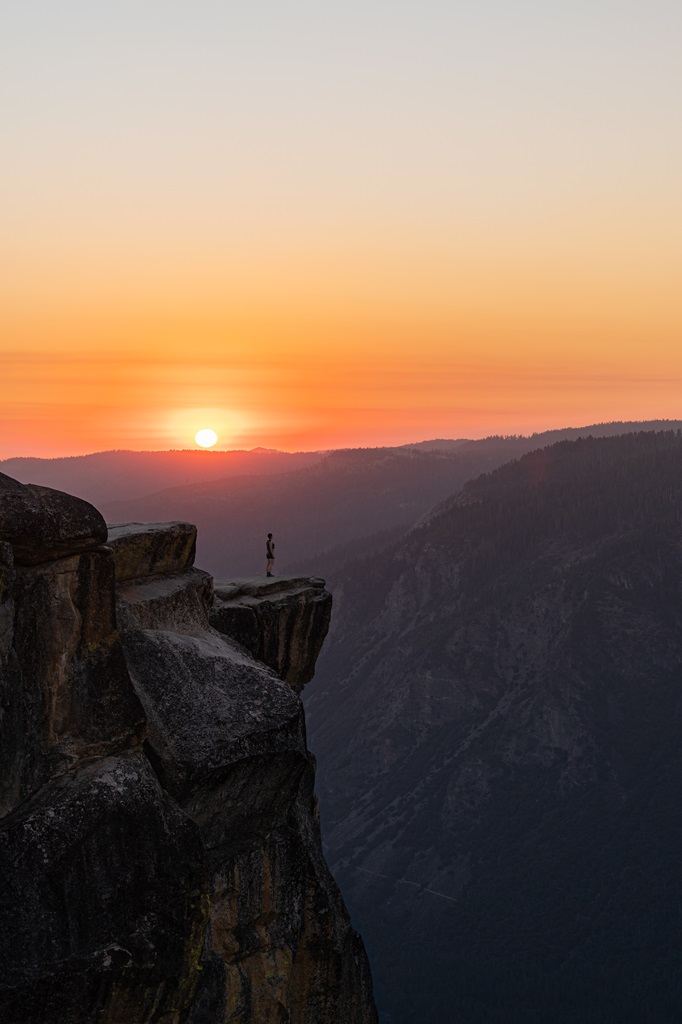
(313, 225)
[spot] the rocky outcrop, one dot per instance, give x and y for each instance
(282, 621)
(159, 847)
(151, 549)
(42, 524)
(65, 691)
(179, 602)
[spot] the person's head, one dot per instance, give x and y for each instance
(269, 536)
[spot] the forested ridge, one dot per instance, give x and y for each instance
(580, 490)
(505, 821)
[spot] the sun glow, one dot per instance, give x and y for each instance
(205, 438)
(179, 427)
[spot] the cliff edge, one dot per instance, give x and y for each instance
(160, 855)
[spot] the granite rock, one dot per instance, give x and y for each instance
(177, 601)
(42, 524)
(283, 621)
(209, 706)
(160, 856)
(227, 739)
(64, 685)
(103, 902)
(151, 549)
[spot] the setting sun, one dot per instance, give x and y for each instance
(205, 438)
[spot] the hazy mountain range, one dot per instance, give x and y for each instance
(122, 475)
(322, 506)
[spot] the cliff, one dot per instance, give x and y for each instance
(160, 855)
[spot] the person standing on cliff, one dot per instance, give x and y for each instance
(270, 555)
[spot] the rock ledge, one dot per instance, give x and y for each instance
(282, 621)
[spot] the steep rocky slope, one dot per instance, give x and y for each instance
(159, 848)
(498, 723)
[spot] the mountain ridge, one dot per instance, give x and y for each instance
(498, 702)
(61, 471)
(343, 498)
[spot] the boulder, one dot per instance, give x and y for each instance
(179, 601)
(210, 707)
(151, 549)
(42, 524)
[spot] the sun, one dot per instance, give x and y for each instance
(205, 438)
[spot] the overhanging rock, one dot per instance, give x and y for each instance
(282, 621)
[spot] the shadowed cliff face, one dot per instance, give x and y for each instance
(159, 847)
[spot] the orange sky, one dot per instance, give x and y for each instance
(446, 230)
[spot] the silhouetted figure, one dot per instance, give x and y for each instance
(270, 555)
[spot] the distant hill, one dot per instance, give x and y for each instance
(497, 718)
(110, 476)
(437, 444)
(344, 497)
(546, 437)
(342, 500)
(121, 475)
(469, 459)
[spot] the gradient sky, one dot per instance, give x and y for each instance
(312, 225)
